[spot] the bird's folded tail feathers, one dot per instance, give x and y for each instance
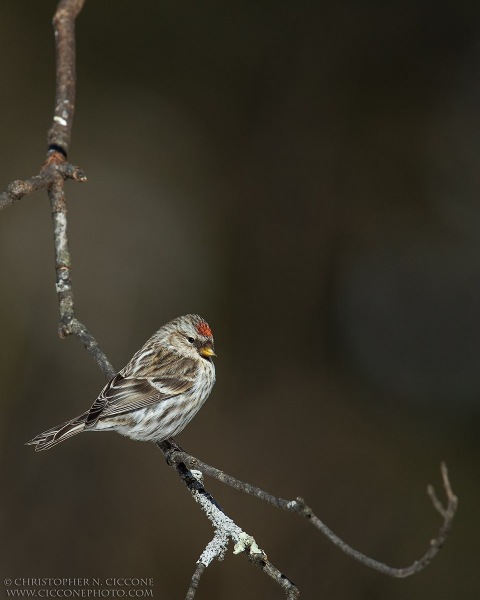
(60, 433)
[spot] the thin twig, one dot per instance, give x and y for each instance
(18, 189)
(56, 170)
(69, 324)
(192, 590)
(290, 589)
(59, 136)
(54, 167)
(60, 132)
(175, 455)
(225, 529)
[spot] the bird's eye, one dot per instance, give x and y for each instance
(191, 340)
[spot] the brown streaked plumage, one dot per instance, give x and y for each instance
(156, 394)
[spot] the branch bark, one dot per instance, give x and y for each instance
(56, 167)
(176, 456)
(225, 529)
(56, 170)
(60, 132)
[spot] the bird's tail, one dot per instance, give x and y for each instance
(60, 433)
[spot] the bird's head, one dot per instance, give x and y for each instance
(191, 335)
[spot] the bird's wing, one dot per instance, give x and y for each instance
(124, 394)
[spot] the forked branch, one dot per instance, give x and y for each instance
(225, 530)
(56, 170)
(56, 167)
(176, 456)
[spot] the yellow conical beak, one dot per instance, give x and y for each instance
(207, 351)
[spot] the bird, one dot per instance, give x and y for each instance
(156, 394)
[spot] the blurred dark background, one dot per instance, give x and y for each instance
(305, 176)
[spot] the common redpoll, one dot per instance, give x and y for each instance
(156, 394)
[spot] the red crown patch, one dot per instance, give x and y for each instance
(204, 329)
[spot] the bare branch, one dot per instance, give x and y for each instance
(175, 455)
(69, 324)
(56, 168)
(290, 589)
(90, 343)
(225, 529)
(260, 561)
(192, 590)
(18, 189)
(452, 499)
(59, 134)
